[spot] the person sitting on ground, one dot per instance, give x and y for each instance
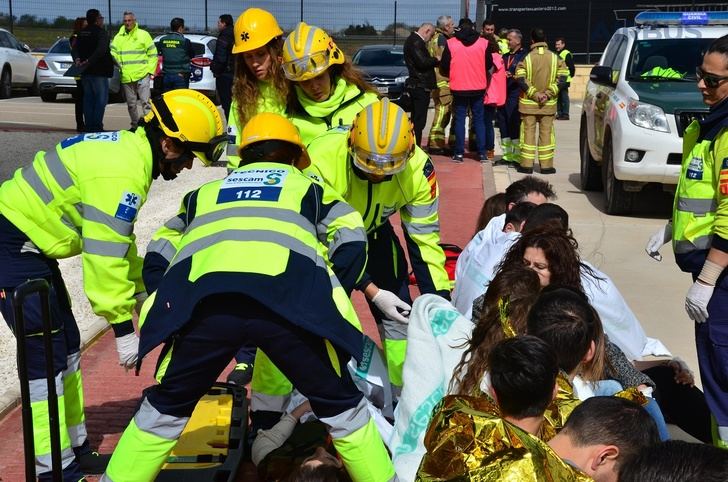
(494, 206)
(602, 433)
(472, 438)
(472, 273)
(676, 460)
(438, 337)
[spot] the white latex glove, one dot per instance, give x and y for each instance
(696, 301)
(388, 302)
(127, 347)
(661, 237)
(140, 298)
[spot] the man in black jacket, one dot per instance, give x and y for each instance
(222, 62)
(93, 57)
(421, 66)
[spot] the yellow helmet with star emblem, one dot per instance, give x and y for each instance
(254, 28)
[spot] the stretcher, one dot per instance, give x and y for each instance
(212, 445)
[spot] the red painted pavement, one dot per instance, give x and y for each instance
(111, 394)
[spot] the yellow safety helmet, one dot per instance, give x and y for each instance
(308, 51)
(254, 28)
(381, 139)
(268, 126)
(190, 117)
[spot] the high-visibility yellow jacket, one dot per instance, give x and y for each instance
(269, 100)
(135, 53)
(82, 197)
(435, 47)
(700, 208)
(345, 102)
(413, 193)
(539, 71)
(293, 239)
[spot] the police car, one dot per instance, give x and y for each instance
(639, 100)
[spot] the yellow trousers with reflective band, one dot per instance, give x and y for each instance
(442, 99)
(546, 143)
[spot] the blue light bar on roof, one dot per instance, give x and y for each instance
(681, 18)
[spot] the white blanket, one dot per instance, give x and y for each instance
(436, 336)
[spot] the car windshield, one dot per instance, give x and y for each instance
(667, 59)
(63, 46)
(379, 57)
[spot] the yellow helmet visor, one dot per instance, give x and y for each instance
(306, 67)
(378, 164)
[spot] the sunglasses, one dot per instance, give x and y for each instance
(711, 81)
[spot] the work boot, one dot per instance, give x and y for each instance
(93, 463)
(241, 374)
(524, 170)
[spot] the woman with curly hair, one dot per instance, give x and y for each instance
(259, 84)
(328, 90)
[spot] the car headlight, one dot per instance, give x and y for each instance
(401, 80)
(647, 115)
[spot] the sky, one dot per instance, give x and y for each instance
(331, 15)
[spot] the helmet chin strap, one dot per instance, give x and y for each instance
(160, 164)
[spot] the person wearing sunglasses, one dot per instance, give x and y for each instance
(82, 197)
(328, 90)
(699, 231)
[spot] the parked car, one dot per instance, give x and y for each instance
(17, 66)
(638, 102)
(54, 64)
(383, 67)
(201, 77)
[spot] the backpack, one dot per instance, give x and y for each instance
(452, 252)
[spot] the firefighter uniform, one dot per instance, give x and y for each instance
(411, 192)
(441, 96)
(279, 291)
(699, 224)
(80, 198)
(539, 71)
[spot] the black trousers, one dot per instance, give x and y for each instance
(220, 325)
(224, 87)
(420, 103)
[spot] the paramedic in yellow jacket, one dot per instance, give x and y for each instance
(260, 259)
(539, 74)
(259, 84)
(379, 171)
(327, 90)
(134, 52)
(82, 198)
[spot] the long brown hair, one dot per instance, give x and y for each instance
(508, 299)
(492, 207)
(346, 71)
(245, 84)
(559, 248)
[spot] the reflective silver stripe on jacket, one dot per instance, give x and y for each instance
(337, 211)
(349, 421)
(105, 248)
(176, 224)
(132, 52)
(260, 235)
(164, 247)
(149, 419)
(346, 235)
(272, 403)
(58, 170)
(33, 179)
(39, 389)
(699, 207)
(419, 228)
(423, 211)
(685, 246)
(278, 214)
(92, 213)
(73, 363)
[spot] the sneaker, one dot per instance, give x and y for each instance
(93, 463)
(457, 158)
(241, 374)
(548, 170)
(482, 158)
(524, 170)
(491, 154)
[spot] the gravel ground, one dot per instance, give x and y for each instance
(162, 203)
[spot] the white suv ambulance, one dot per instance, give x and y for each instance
(639, 100)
